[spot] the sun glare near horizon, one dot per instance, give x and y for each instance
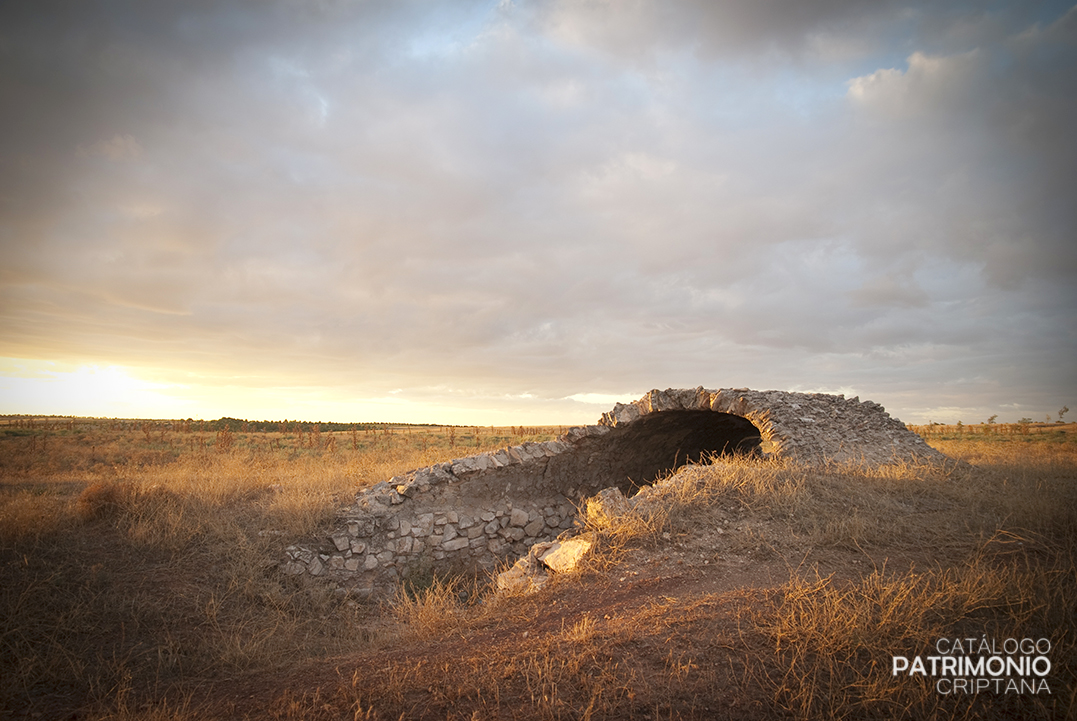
(48, 388)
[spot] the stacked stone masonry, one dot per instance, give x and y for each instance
(473, 513)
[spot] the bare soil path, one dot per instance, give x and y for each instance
(674, 608)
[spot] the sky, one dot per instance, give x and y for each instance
(520, 212)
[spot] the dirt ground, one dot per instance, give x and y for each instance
(699, 585)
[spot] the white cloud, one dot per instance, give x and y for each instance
(607, 400)
(117, 148)
(930, 85)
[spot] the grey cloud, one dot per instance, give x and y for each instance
(772, 30)
(370, 190)
(984, 122)
(733, 26)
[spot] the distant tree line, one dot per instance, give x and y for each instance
(242, 425)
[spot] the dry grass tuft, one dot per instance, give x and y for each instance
(433, 605)
(617, 527)
(102, 499)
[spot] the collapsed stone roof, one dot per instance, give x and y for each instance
(474, 512)
(811, 427)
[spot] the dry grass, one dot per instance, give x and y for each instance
(854, 506)
(433, 605)
(833, 642)
(138, 583)
(135, 560)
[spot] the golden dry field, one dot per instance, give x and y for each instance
(139, 581)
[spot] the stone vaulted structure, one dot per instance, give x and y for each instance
(473, 513)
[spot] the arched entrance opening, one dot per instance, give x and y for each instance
(639, 453)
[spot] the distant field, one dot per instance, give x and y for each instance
(1028, 432)
(36, 446)
(138, 581)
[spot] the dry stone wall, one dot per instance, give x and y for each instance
(473, 513)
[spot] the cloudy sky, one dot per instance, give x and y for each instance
(520, 211)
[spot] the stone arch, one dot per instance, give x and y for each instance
(472, 513)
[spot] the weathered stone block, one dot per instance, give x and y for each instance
(360, 528)
(514, 533)
(564, 556)
(455, 544)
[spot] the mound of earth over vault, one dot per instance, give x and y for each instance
(472, 513)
